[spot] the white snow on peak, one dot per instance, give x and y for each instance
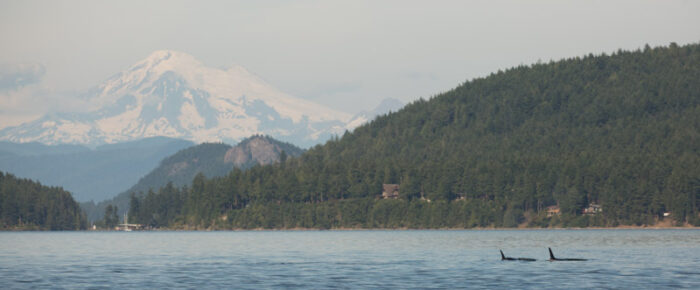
(231, 84)
(173, 94)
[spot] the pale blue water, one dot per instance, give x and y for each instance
(350, 259)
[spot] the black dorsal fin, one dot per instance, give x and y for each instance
(503, 257)
(551, 255)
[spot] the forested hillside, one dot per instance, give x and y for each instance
(28, 205)
(209, 159)
(619, 131)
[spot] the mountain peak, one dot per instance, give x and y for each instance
(164, 54)
(161, 61)
(260, 150)
(169, 55)
(172, 94)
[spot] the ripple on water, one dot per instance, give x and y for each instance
(355, 259)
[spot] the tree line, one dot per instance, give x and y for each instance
(28, 205)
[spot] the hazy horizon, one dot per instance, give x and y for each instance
(345, 55)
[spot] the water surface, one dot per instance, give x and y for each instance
(350, 259)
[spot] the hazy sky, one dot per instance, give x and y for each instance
(347, 55)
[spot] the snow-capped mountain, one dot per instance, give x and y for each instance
(172, 94)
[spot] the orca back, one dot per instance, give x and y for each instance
(552, 258)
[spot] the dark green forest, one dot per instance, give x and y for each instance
(28, 205)
(616, 130)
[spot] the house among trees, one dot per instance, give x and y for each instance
(390, 191)
(552, 210)
(592, 209)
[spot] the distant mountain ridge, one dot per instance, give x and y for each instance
(385, 106)
(88, 174)
(36, 148)
(209, 159)
(174, 95)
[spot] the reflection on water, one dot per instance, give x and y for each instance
(354, 259)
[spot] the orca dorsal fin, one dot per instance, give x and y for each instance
(503, 257)
(551, 255)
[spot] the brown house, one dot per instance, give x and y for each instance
(552, 210)
(390, 191)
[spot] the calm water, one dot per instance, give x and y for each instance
(350, 259)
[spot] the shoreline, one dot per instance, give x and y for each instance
(364, 229)
(658, 226)
(413, 229)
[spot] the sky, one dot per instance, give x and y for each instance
(347, 55)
